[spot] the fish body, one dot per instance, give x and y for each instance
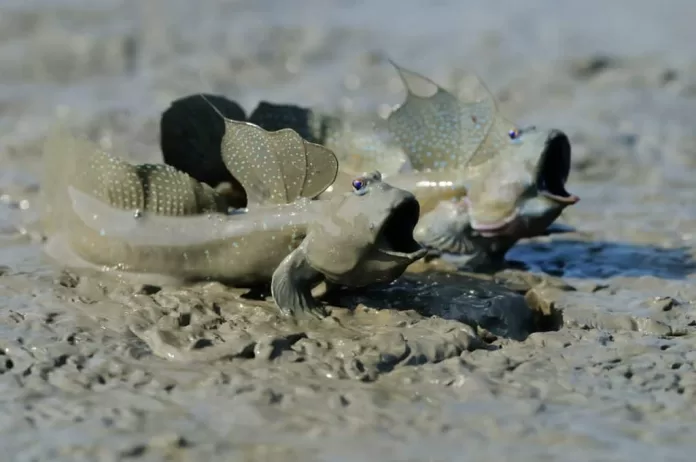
(154, 221)
(482, 182)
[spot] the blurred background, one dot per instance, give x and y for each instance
(106, 58)
(619, 76)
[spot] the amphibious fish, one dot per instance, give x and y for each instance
(482, 182)
(512, 178)
(153, 221)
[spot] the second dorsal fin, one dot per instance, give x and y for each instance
(276, 167)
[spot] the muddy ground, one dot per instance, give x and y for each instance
(434, 368)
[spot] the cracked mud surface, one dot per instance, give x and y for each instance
(434, 367)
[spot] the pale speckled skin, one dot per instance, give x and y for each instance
(480, 189)
(514, 177)
(430, 188)
(457, 158)
(489, 192)
(103, 213)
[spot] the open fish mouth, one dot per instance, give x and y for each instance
(395, 237)
(553, 169)
(552, 173)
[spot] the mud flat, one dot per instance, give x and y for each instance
(587, 354)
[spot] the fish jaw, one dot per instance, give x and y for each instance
(446, 232)
(445, 228)
(367, 235)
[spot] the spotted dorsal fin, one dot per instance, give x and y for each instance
(276, 167)
(70, 161)
(438, 131)
(357, 142)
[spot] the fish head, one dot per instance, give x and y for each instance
(521, 191)
(366, 235)
(516, 195)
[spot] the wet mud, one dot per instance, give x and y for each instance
(583, 349)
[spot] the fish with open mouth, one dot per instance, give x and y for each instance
(155, 223)
(482, 182)
(503, 182)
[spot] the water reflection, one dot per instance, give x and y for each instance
(604, 259)
(471, 300)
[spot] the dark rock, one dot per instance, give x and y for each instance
(309, 125)
(191, 133)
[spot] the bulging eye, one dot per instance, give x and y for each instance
(516, 133)
(359, 186)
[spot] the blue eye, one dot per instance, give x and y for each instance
(513, 134)
(359, 186)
